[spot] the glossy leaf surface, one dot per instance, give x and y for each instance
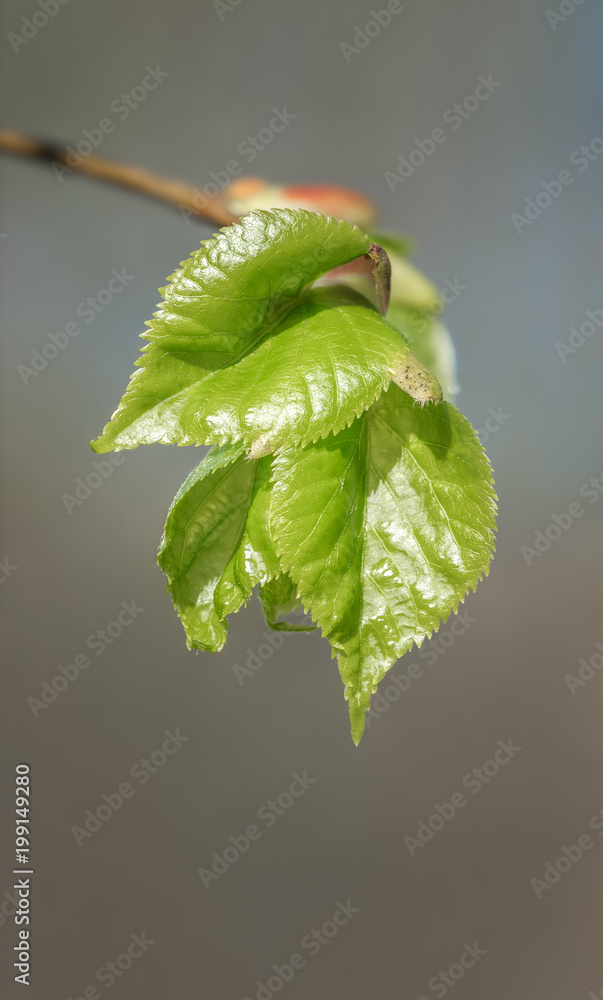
(384, 527)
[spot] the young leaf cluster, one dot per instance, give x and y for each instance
(339, 481)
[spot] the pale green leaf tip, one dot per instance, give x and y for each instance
(357, 727)
(359, 706)
(102, 445)
(415, 379)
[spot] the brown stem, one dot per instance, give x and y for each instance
(180, 195)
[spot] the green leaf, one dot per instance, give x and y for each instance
(322, 365)
(384, 528)
(225, 298)
(431, 343)
(216, 545)
(279, 599)
(414, 300)
(374, 515)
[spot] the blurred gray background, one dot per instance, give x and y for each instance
(502, 679)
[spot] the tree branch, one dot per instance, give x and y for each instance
(175, 193)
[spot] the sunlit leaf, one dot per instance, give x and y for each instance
(384, 528)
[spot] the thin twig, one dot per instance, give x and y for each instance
(182, 196)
